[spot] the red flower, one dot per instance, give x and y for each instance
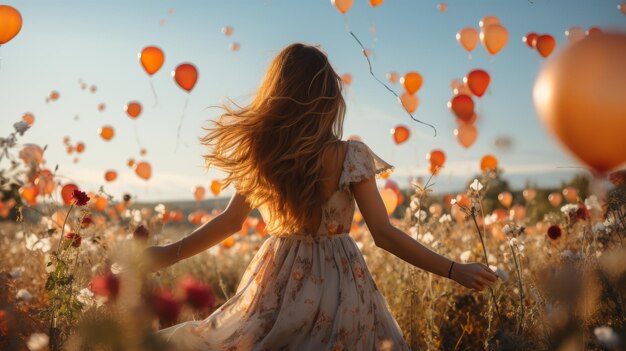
(141, 233)
(80, 197)
(582, 212)
(165, 305)
(107, 285)
(86, 222)
(554, 232)
(197, 295)
(75, 238)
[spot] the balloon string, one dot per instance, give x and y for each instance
(345, 23)
(136, 134)
(156, 98)
(180, 124)
(386, 86)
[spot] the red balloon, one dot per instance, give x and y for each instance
(545, 45)
(186, 76)
(478, 81)
(462, 106)
(531, 39)
(67, 191)
(400, 134)
(436, 157)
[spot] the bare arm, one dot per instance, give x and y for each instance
(202, 238)
(395, 241)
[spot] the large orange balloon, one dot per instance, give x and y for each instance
(198, 193)
(412, 82)
(478, 81)
(488, 20)
(390, 199)
(216, 187)
(531, 39)
(151, 58)
(29, 194)
(143, 170)
(400, 134)
(466, 134)
(488, 162)
(436, 158)
(494, 37)
(66, 193)
(571, 194)
(545, 44)
(555, 199)
(463, 107)
(106, 132)
(133, 109)
(580, 97)
(342, 5)
(467, 38)
(529, 194)
(410, 102)
(110, 176)
(10, 23)
(186, 76)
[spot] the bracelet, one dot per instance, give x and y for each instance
(450, 270)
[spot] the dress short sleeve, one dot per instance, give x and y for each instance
(362, 163)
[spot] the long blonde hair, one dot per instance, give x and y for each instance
(272, 149)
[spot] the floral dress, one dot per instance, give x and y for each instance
(305, 291)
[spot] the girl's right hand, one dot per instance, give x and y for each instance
(473, 275)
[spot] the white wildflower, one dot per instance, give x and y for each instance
(445, 218)
(160, 208)
(569, 209)
(476, 186)
(21, 127)
(491, 219)
(427, 238)
(23, 295)
(16, 273)
(19, 234)
(507, 229)
(414, 204)
(37, 341)
(465, 256)
(592, 203)
(453, 202)
(89, 299)
(136, 214)
(33, 243)
(607, 337)
(569, 254)
(502, 274)
(421, 215)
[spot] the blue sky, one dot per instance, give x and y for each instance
(98, 41)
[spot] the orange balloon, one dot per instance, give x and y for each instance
(80, 147)
(133, 109)
(580, 97)
(143, 152)
(392, 77)
(545, 44)
(216, 187)
(106, 132)
(93, 88)
(442, 7)
(470, 121)
(531, 39)
(575, 34)
(622, 7)
(227, 30)
(100, 203)
(375, 3)
(494, 37)
(436, 158)
(66, 193)
(555, 199)
(143, 170)
(54, 95)
(228, 242)
(488, 162)
(505, 198)
(435, 209)
(467, 38)
(447, 200)
(28, 118)
(29, 194)
(400, 134)
(110, 176)
(593, 30)
(342, 5)
(462, 89)
(186, 76)
(10, 23)
(463, 200)
(487, 21)
(477, 81)
(410, 102)
(235, 46)
(466, 134)
(571, 194)
(130, 162)
(101, 107)
(347, 78)
(151, 58)
(529, 194)
(390, 199)
(44, 182)
(198, 193)
(463, 107)
(31, 154)
(412, 82)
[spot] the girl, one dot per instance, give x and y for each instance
(308, 286)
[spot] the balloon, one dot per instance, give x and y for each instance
(579, 96)
(80, 147)
(390, 184)
(342, 5)
(69, 149)
(455, 84)
(571, 194)
(29, 194)
(31, 154)
(555, 199)
(133, 109)
(143, 170)
(400, 134)
(228, 242)
(487, 21)
(494, 37)
(198, 193)
(390, 199)
(463, 89)
(143, 152)
(478, 81)
(357, 217)
(347, 78)
(106, 132)
(10, 23)
(410, 102)
(101, 107)
(488, 162)
(66, 140)
(151, 58)
(442, 7)
(529, 194)
(505, 198)
(467, 38)
(466, 134)
(392, 77)
(93, 88)
(530, 39)
(100, 203)
(110, 176)
(130, 162)
(412, 82)
(235, 46)
(375, 3)
(435, 209)
(227, 30)
(44, 182)
(622, 7)
(28, 118)
(185, 76)
(436, 158)
(463, 200)
(545, 44)
(447, 200)
(66, 193)
(593, 30)
(575, 34)
(463, 107)
(470, 121)
(216, 187)
(54, 95)
(518, 212)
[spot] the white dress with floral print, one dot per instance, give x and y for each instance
(303, 291)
